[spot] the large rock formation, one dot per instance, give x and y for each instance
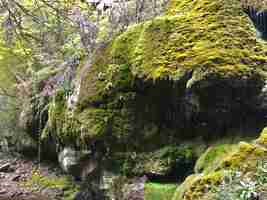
(196, 71)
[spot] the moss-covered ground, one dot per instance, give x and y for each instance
(63, 185)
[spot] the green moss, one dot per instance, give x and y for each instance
(58, 119)
(179, 193)
(77, 129)
(212, 38)
(163, 163)
(64, 183)
(196, 187)
(243, 158)
(262, 140)
(207, 47)
(197, 45)
(212, 156)
(157, 191)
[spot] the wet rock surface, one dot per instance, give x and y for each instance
(15, 170)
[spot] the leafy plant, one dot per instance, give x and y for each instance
(248, 190)
(236, 187)
(261, 172)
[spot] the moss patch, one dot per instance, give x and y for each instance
(199, 36)
(197, 187)
(212, 157)
(179, 193)
(140, 88)
(156, 191)
(65, 184)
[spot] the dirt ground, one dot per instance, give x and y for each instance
(14, 171)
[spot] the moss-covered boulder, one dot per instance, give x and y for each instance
(195, 185)
(196, 71)
(243, 159)
(197, 68)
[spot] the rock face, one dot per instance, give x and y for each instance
(174, 74)
(196, 71)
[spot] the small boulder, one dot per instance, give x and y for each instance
(5, 167)
(77, 163)
(68, 160)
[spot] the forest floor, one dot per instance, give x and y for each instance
(16, 171)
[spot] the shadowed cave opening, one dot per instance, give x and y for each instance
(187, 113)
(178, 173)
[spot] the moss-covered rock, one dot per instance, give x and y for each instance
(262, 140)
(195, 71)
(212, 157)
(179, 193)
(244, 159)
(212, 38)
(194, 50)
(196, 185)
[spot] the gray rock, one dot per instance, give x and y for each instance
(77, 163)
(68, 159)
(5, 168)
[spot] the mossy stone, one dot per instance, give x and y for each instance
(243, 158)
